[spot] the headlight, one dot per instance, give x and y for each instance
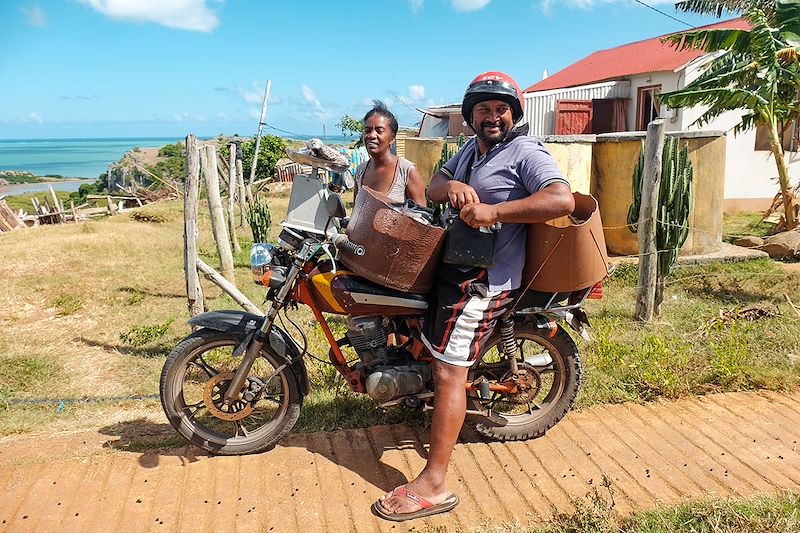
(260, 258)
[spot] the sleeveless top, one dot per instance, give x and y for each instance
(397, 192)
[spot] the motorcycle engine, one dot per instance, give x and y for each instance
(388, 383)
(368, 337)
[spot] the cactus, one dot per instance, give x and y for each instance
(674, 203)
(259, 218)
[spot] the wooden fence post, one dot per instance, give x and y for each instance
(208, 165)
(646, 232)
(57, 205)
(112, 209)
(194, 292)
(242, 193)
(232, 198)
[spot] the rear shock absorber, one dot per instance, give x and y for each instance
(508, 342)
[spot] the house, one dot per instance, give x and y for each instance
(616, 90)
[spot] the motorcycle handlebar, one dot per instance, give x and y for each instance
(341, 242)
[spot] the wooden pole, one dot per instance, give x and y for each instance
(57, 205)
(74, 212)
(112, 210)
(228, 287)
(242, 193)
(194, 292)
(208, 166)
(232, 198)
(648, 258)
(258, 143)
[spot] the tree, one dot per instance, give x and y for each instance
(756, 70)
(272, 148)
(350, 126)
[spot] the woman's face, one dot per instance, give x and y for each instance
(377, 135)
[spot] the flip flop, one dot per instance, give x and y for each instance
(427, 508)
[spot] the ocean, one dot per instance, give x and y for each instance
(84, 158)
(71, 158)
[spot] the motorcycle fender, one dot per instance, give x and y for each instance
(243, 325)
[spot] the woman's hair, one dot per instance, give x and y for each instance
(379, 108)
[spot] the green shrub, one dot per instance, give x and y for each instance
(141, 335)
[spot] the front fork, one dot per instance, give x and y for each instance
(260, 337)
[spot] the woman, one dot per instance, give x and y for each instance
(384, 172)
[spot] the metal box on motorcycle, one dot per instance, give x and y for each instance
(569, 253)
(307, 205)
(401, 252)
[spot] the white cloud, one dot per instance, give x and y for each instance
(469, 5)
(192, 15)
(416, 93)
(34, 16)
(250, 97)
(33, 118)
(416, 5)
(312, 99)
(548, 5)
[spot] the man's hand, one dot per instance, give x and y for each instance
(477, 215)
(460, 194)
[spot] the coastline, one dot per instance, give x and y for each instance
(58, 184)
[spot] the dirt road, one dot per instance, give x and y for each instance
(722, 445)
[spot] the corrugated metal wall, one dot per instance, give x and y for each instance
(540, 107)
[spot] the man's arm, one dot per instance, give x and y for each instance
(553, 201)
(443, 189)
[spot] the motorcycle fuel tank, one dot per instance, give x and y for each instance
(347, 293)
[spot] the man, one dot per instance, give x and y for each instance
(500, 175)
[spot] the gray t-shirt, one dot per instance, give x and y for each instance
(397, 192)
(511, 170)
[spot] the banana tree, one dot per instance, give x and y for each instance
(755, 70)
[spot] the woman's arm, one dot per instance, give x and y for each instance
(415, 189)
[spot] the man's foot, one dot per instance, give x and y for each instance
(404, 504)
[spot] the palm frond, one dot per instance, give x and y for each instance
(710, 40)
(788, 21)
(720, 7)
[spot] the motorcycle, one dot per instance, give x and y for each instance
(236, 384)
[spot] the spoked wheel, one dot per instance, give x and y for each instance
(548, 382)
(193, 383)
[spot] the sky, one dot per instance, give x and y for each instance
(167, 68)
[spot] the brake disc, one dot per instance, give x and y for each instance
(214, 399)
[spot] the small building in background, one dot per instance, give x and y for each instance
(616, 90)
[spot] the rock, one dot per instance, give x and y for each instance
(784, 245)
(749, 242)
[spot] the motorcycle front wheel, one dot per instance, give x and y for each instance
(194, 380)
(551, 371)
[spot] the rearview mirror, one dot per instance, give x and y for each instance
(335, 206)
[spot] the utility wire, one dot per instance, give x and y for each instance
(662, 13)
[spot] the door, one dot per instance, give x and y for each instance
(573, 117)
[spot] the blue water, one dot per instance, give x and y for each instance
(72, 158)
(84, 158)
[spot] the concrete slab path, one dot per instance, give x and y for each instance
(728, 445)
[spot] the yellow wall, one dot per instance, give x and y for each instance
(424, 153)
(614, 160)
(574, 160)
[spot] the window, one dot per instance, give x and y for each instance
(789, 135)
(647, 107)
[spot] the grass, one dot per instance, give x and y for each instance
(23, 201)
(92, 309)
(743, 224)
(596, 514)
(688, 350)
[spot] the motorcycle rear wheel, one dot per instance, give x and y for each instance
(193, 380)
(555, 383)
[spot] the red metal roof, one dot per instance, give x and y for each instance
(650, 55)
